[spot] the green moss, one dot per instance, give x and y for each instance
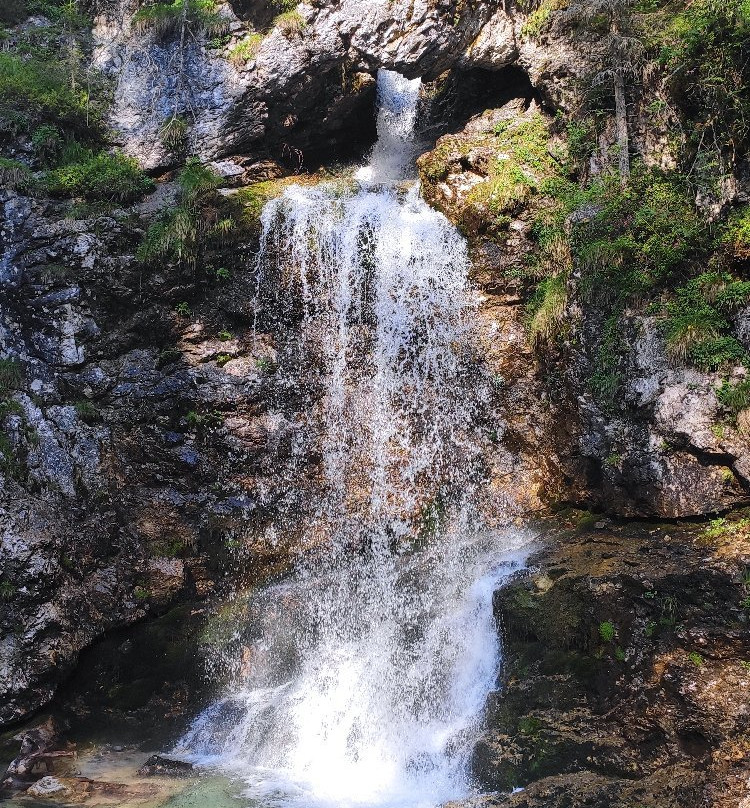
(103, 176)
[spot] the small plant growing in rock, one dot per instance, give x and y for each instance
(14, 175)
(290, 23)
(620, 654)
(607, 631)
(141, 594)
(11, 375)
(7, 590)
(87, 412)
(225, 336)
(183, 309)
(222, 273)
(223, 358)
(695, 658)
(264, 365)
(246, 49)
(173, 134)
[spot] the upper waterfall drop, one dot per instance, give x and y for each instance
(393, 154)
(368, 687)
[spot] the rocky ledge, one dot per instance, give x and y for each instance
(626, 673)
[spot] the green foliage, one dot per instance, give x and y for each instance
(183, 309)
(736, 234)
(15, 175)
(7, 590)
(183, 232)
(173, 134)
(47, 81)
(607, 631)
(605, 381)
(290, 23)
(696, 329)
(225, 336)
(695, 658)
(167, 19)
(538, 19)
(11, 376)
(47, 142)
(265, 365)
(103, 176)
(141, 594)
(705, 49)
(546, 310)
(87, 412)
(246, 49)
(735, 397)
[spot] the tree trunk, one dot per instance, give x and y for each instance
(621, 103)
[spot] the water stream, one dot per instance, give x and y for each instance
(374, 659)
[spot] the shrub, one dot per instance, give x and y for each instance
(15, 175)
(607, 631)
(104, 176)
(735, 397)
(546, 310)
(165, 19)
(290, 23)
(11, 376)
(246, 49)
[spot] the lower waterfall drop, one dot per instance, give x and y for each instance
(375, 657)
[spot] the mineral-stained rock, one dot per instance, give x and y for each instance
(625, 678)
(160, 766)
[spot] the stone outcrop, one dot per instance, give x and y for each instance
(667, 449)
(625, 674)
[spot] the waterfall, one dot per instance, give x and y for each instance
(372, 662)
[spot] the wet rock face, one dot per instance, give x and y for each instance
(665, 449)
(307, 86)
(123, 483)
(625, 676)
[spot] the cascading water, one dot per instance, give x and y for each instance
(373, 661)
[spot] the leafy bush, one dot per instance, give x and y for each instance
(290, 23)
(546, 309)
(112, 177)
(183, 232)
(15, 175)
(735, 397)
(246, 49)
(165, 19)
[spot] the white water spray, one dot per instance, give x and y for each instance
(366, 687)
